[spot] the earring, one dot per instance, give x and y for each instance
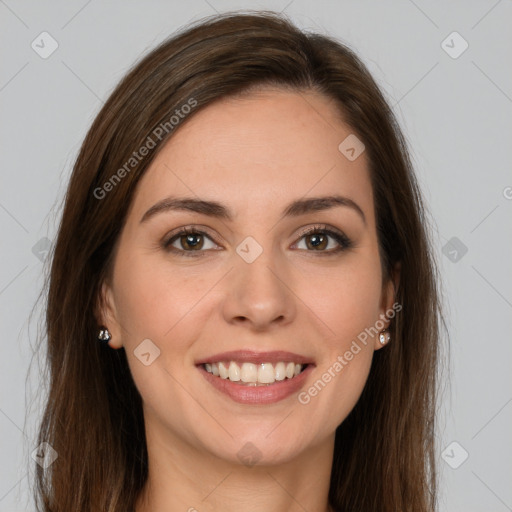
(384, 336)
(104, 335)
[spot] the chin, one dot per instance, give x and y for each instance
(259, 450)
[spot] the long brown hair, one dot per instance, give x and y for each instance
(384, 458)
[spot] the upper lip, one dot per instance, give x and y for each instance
(251, 356)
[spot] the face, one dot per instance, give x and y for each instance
(251, 275)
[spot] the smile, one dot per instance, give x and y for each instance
(253, 377)
(252, 374)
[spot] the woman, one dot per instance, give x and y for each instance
(242, 307)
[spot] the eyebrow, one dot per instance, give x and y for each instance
(215, 209)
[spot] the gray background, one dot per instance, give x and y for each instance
(456, 113)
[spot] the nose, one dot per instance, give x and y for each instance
(259, 294)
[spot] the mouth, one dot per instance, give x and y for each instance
(251, 374)
(256, 377)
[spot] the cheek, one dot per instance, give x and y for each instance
(345, 298)
(155, 297)
(159, 302)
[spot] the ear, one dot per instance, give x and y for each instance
(388, 298)
(106, 314)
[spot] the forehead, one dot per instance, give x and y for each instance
(261, 149)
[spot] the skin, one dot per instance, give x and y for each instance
(255, 154)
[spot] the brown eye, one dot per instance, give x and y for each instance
(192, 241)
(189, 241)
(324, 241)
(317, 241)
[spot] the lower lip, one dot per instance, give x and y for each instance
(270, 394)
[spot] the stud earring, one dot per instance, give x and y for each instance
(384, 337)
(104, 335)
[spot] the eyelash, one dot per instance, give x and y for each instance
(343, 241)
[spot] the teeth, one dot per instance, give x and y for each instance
(266, 374)
(250, 373)
(234, 372)
(223, 371)
(280, 370)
